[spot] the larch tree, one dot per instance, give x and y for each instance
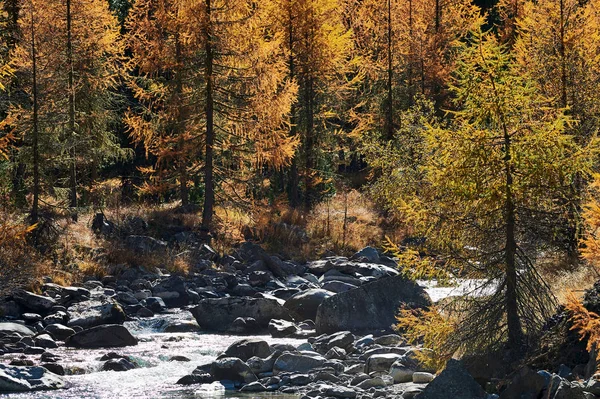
(218, 91)
(318, 48)
(558, 43)
(66, 122)
(493, 183)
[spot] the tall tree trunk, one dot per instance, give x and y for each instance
(309, 144)
(390, 98)
(515, 332)
(293, 193)
(35, 144)
(563, 61)
(209, 188)
(182, 162)
(71, 136)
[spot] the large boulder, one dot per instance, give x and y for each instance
(217, 314)
(173, 292)
(372, 306)
(298, 363)
(304, 304)
(107, 336)
(34, 302)
(527, 383)
(244, 349)
(233, 369)
(24, 379)
(94, 312)
(454, 382)
(16, 328)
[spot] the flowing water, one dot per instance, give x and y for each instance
(156, 376)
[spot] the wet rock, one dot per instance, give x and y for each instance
(253, 387)
(121, 364)
(106, 336)
(144, 312)
(190, 379)
(299, 363)
(94, 312)
(218, 314)
(376, 303)
(246, 348)
(282, 328)
(16, 328)
(244, 325)
(233, 369)
(453, 382)
(45, 341)
(24, 379)
(260, 365)
(54, 368)
(155, 304)
(172, 291)
(34, 302)
(182, 327)
(179, 358)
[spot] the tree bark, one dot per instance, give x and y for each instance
(182, 161)
(209, 189)
(71, 124)
(35, 131)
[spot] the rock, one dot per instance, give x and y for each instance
(16, 328)
(34, 302)
(383, 350)
(127, 298)
(421, 377)
(381, 362)
(376, 303)
(282, 328)
(369, 383)
(244, 325)
(389, 340)
(54, 368)
(592, 385)
(454, 382)
(179, 358)
(155, 304)
(45, 341)
(218, 314)
(369, 254)
(304, 304)
(144, 312)
(10, 309)
(527, 383)
(121, 364)
(233, 369)
(300, 379)
(105, 336)
(173, 292)
(144, 244)
(338, 286)
(94, 312)
(298, 363)
(401, 373)
(246, 348)
(341, 392)
(190, 379)
(336, 353)
(253, 387)
(342, 339)
(182, 327)
(24, 379)
(568, 390)
(260, 365)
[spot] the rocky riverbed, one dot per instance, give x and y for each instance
(248, 324)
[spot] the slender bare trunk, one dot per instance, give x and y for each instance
(182, 161)
(35, 130)
(209, 188)
(71, 124)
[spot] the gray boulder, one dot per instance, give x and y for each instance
(298, 363)
(244, 349)
(16, 328)
(106, 336)
(94, 312)
(34, 302)
(219, 313)
(233, 369)
(144, 244)
(454, 382)
(372, 306)
(304, 304)
(282, 328)
(24, 379)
